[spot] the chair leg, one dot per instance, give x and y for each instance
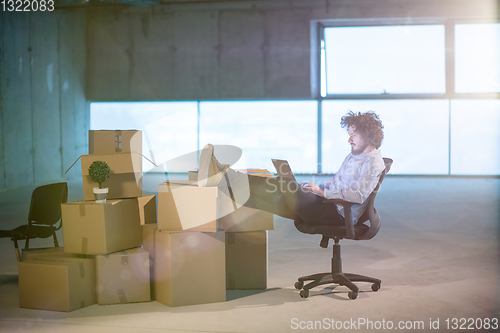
(18, 254)
(27, 244)
(317, 279)
(313, 277)
(342, 280)
(56, 243)
(362, 278)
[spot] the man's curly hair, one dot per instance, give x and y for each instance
(368, 124)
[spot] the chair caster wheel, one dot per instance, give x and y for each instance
(353, 294)
(375, 286)
(304, 293)
(298, 285)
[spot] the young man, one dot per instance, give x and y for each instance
(357, 177)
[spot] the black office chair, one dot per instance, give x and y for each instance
(358, 231)
(45, 212)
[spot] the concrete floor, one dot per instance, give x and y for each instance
(437, 256)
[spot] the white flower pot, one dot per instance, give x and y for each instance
(100, 194)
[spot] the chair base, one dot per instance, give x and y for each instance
(342, 279)
(335, 276)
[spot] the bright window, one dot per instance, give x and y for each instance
(415, 134)
(385, 59)
(477, 54)
(475, 137)
(264, 130)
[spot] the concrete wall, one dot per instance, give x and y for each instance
(43, 110)
(250, 50)
(194, 53)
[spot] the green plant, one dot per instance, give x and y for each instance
(99, 171)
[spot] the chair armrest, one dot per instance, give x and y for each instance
(349, 224)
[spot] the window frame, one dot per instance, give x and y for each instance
(318, 42)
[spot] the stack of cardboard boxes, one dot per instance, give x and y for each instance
(103, 260)
(201, 244)
(204, 243)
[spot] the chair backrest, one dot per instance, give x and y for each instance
(46, 203)
(370, 214)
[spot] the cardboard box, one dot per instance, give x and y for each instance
(246, 260)
(244, 218)
(125, 180)
(182, 205)
(190, 267)
(30, 254)
(148, 244)
(247, 219)
(115, 141)
(123, 277)
(57, 284)
(101, 228)
(147, 208)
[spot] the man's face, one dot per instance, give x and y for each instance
(359, 145)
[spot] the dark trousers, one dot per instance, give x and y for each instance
(288, 199)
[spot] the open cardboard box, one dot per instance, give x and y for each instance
(182, 205)
(243, 218)
(125, 180)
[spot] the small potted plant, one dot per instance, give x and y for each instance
(99, 171)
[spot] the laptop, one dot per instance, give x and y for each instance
(283, 169)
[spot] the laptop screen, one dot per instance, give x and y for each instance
(283, 169)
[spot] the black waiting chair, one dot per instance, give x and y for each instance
(44, 214)
(358, 231)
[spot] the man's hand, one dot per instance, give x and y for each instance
(313, 188)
